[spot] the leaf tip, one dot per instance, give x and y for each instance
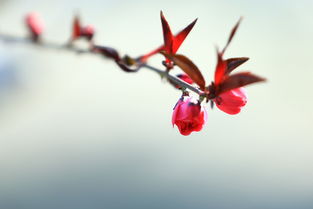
(195, 21)
(161, 14)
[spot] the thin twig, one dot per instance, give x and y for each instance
(55, 46)
(174, 79)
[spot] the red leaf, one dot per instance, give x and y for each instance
(220, 69)
(167, 35)
(238, 80)
(76, 28)
(233, 63)
(107, 51)
(188, 67)
(172, 43)
(232, 33)
(180, 37)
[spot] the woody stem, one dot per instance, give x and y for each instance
(174, 79)
(50, 45)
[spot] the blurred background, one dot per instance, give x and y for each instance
(77, 132)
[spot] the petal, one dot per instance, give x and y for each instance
(183, 128)
(34, 23)
(176, 111)
(232, 101)
(183, 113)
(189, 116)
(88, 31)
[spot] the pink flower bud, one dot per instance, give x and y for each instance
(88, 31)
(189, 115)
(232, 101)
(34, 24)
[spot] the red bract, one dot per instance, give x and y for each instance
(80, 31)
(171, 42)
(227, 89)
(76, 30)
(34, 24)
(231, 101)
(223, 66)
(188, 115)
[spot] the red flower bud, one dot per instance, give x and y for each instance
(232, 101)
(189, 115)
(34, 24)
(88, 31)
(79, 31)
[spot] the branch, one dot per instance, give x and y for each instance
(72, 48)
(174, 79)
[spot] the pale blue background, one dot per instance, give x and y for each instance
(76, 132)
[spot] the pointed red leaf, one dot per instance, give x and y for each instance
(220, 69)
(238, 80)
(167, 34)
(232, 33)
(171, 43)
(180, 37)
(188, 67)
(76, 28)
(233, 63)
